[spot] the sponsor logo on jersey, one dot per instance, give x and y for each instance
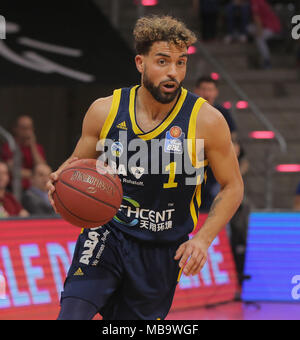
(78, 272)
(174, 140)
(130, 222)
(129, 181)
(137, 172)
(117, 149)
(90, 244)
(122, 126)
(89, 247)
(152, 220)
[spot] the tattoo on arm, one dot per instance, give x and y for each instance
(212, 211)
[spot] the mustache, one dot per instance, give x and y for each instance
(167, 81)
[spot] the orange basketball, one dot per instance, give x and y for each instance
(88, 194)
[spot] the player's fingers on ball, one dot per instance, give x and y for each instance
(51, 190)
(50, 198)
(52, 201)
(50, 186)
(73, 160)
(53, 177)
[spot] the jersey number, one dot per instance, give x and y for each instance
(172, 169)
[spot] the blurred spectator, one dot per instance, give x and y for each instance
(9, 206)
(208, 11)
(239, 222)
(297, 199)
(35, 199)
(32, 152)
(207, 88)
(240, 153)
(266, 25)
(237, 16)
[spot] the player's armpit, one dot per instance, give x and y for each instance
(91, 128)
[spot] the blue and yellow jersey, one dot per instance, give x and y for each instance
(160, 173)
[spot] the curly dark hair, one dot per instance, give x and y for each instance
(154, 28)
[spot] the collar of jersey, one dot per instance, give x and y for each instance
(163, 125)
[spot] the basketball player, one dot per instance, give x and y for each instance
(128, 269)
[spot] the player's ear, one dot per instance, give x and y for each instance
(139, 62)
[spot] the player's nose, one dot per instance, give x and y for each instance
(172, 71)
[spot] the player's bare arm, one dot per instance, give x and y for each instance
(212, 127)
(86, 146)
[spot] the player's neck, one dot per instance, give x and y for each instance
(147, 104)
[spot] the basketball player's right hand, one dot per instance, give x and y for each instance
(53, 178)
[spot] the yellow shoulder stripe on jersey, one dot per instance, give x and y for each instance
(112, 114)
(179, 275)
(135, 128)
(198, 198)
(193, 210)
(160, 128)
(198, 195)
(192, 135)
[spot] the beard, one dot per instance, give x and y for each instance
(157, 93)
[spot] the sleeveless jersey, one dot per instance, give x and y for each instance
(159, 171)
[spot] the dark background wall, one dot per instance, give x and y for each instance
(57, 102)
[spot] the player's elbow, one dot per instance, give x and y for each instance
(235, 188)
(238, 188)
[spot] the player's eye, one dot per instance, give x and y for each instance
(161, 61)
(181, 62)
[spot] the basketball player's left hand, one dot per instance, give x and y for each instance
(192, 255)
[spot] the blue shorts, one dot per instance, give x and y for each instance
(125, 279)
